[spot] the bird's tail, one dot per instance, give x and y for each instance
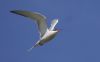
(30, 49)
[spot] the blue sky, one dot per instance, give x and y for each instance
(78, 40)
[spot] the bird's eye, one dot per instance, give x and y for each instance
(57, 29)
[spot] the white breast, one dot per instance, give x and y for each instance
(49, 34)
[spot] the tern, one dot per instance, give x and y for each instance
(46, 34)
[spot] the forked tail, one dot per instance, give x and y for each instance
(30, 49)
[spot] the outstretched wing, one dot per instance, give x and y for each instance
(53, 24)
(39, 18)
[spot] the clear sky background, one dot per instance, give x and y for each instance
(77, 41)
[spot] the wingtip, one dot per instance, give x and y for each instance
(13, 11)
(57, 19)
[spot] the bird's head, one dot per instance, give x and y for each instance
(57, 30)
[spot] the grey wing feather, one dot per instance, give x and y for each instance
(39, 18)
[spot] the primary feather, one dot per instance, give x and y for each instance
(39, 18)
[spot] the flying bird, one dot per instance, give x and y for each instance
(46, 34)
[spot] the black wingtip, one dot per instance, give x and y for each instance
(19, 12)
(13, 11)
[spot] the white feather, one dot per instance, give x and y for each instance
(53, 24)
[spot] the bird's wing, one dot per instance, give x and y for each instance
(53, 24)
(39, 18)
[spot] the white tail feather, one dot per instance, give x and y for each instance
(30, 49)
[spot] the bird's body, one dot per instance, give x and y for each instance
(46, 34)
(49, 35)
